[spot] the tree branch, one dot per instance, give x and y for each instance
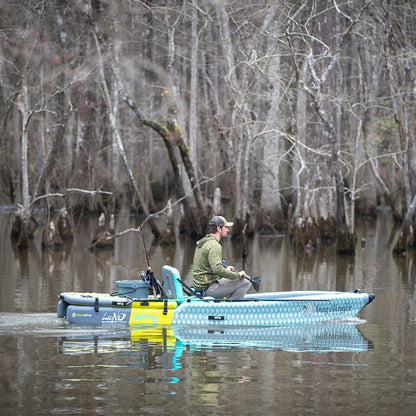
(67, 191)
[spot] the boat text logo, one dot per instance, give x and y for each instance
(114, 317)
(144, 318)
(333, 308)
(81, 315)
(307, 308)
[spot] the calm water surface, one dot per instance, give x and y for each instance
(364, 366)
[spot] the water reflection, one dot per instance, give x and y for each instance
(332, 336)
(150, 347)
(169, 343)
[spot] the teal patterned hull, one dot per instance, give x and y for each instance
(272, 309)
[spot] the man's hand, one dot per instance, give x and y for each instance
(232, 269)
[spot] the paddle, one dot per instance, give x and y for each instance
(255, 281)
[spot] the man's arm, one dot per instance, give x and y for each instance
(215, 262)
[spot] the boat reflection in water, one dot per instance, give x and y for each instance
(324, 337)
(335, 336)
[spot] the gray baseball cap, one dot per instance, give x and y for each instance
(219, 221)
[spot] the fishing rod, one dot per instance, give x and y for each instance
(149, 277)
(146, 256)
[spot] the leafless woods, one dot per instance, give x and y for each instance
(302, 113)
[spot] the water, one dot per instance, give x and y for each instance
(363, 366)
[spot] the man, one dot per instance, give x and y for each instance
(209, 276)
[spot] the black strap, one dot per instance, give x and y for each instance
(200, 292)
(188, 290)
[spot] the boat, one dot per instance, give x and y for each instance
(146, 302)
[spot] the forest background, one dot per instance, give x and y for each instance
(289, 116)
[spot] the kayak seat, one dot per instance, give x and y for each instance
(172, 285)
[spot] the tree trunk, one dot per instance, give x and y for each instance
(271, 207)
(23, 106)
(184, 151)
(407, 236)
(345, 243)
(193, 116)
(241, 135)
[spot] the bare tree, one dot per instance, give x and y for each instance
(399, 26)
(313, 52)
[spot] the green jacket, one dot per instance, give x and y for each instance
(207, 267)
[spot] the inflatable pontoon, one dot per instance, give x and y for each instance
(138, 303)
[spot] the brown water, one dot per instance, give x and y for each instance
(365, 366)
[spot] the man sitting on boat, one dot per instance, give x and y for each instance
(209, 277)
